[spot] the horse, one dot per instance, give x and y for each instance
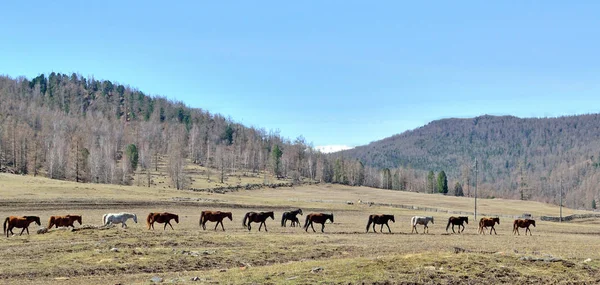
(419, 220)
(488, 222)
(19, 222)
(63, 221)
(214, 216)
(523, 224)
(381, 220)
(118, 218)
(260, 217)
(291, 216)
(161, 218)
(457, 221)
(319, 218)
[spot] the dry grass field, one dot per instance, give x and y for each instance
(557, 253)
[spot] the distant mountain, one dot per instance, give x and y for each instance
(517, 157)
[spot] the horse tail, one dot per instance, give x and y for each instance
(412, 221)
(369, 223)
(5, 222)
(306, 221)
(245, 218)
(104, 219)
(283, 219)
(51, 222)
(201, 218)
(448, 226)
(149, 220)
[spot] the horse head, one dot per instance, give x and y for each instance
(35, 219)
(392, 218)
(467, 220)
(228, 214)
(272, 215)
(134, 218)
(78, 218)
(331, 215)
(300, 211)
(532, 222)
(496, 219)
(431, 219)
(176, 217)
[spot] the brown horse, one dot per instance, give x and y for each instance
(161, 218)
(380, 220)
(19, 222)
(63, 221)
(214, 216)
(488, 222)
(319, 218)
(523, 224)
(260, 217)
(457, 221)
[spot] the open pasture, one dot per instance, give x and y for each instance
(343, 254)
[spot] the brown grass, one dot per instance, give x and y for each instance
(283, 255)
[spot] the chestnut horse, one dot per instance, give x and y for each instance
(291, 216)
(260, 217)
(488, 222)
(63, 221)
(523, 224)
(161, 218)
(457, 221)
(214, 216)
(19, 222)
(380, 220)
(319, 218)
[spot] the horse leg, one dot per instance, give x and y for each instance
(311, 225)
(453, 229)
(414, 229)
(260, 226)
(222, 227)
(265, 226)
(170, 225)
(322, 227)
(216, 225)
(425, 228)
(27, 228)
(22, 231)
(388, 226)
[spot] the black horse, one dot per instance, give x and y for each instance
(381, 220)
(291, 216)
(260, 217)
(457, 221)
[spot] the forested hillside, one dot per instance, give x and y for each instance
(518, 158)
(86, 130)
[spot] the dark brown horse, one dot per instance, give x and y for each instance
(260, 217)
(19, 222)
(291, 216)
(380, 220)
(457, 221)
(488, 222)
(63, 221)
(523, 224)
(161, 218)
(214, 216)
(319, 218)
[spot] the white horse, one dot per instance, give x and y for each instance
(418, 220)
(118, 218)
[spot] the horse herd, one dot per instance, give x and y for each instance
(260, 218)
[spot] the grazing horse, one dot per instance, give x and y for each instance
(260, 217)
(523, 224)
(214, 216)
(63, 221)
(118, 218)
(291, 216)
(19, 222)
(380, 220)
(319, 218)
(488, 222)
(161, 218)
(419, 220)
(457, 221)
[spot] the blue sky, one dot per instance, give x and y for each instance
(336, 72)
